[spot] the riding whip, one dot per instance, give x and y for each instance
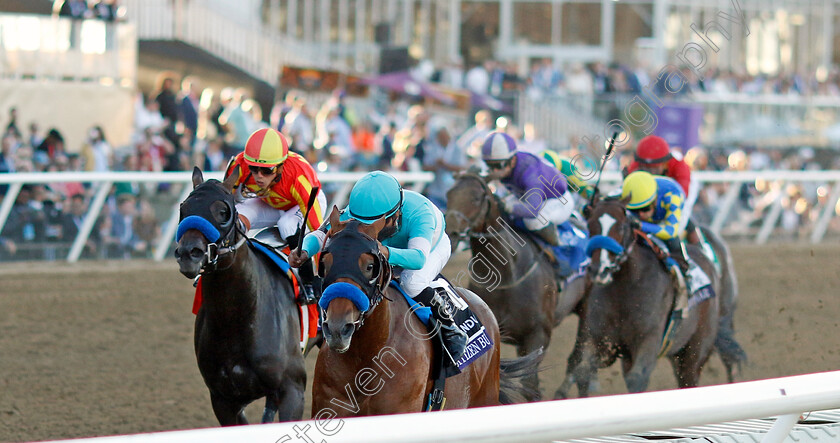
(312, 196)
(603, 163)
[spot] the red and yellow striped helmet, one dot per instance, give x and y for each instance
(266, 147)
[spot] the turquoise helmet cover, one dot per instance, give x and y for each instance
(376, 195)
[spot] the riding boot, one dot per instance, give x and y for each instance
(679, 272)
(677, 250)
(454, 339)
(549, 234)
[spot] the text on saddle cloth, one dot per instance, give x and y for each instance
(478, 341)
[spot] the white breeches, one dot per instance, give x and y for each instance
(261, 215)
(554, 210)
(690, 199)
(414, 281)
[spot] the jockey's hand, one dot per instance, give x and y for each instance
(509, 201)
(384, 251)
(297, 258)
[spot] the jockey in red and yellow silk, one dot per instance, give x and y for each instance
(276, 185)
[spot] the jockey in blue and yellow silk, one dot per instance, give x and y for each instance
(658, 201)
(414, 236)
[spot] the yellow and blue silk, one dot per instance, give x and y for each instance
(667, 209)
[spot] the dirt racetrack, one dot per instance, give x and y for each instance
(106, 348)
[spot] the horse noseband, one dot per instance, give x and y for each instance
(199, 205)
(345, 255)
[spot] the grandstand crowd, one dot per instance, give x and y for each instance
(182, 124)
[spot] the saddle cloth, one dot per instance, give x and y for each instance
(478, 341)
(308, 313)
(570, 256)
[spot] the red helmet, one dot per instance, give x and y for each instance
(653, 150)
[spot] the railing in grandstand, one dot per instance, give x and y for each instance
(253, 47)
(44, 47)
(341, 183)
(786, 398)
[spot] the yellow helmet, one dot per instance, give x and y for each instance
(641, 187)
(266, 147)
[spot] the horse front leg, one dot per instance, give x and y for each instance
(639, 365)
(290, 401)
(227, 412)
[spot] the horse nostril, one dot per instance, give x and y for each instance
(197, 253)
(177, 253)
(325, 328)
(347, 330)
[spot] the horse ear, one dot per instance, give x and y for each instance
(197, 177)
(232, 178)
(335, 221)
(626, 200)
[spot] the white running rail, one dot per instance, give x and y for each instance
(829, 180)
(785, 397)
(104, 182)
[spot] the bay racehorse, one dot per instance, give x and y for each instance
(247, 329)
(376, 358)
(629, 301)
(508, 270)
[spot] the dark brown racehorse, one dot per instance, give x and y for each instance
(508, 270)
(247, 329)
(629, 301)
(378, 359)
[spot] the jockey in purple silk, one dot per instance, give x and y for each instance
(538, 198)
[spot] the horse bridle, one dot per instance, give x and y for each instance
(347, 255)
(224, 244)
(626, 244)
(215, 251)
(468, 231)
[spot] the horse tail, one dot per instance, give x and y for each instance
(512, 369)
(732, 354)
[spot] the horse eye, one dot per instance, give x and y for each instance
(370, 267)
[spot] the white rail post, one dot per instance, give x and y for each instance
(725, 208)
(168, 232)
(772, 218)
(827, 214)
(90, 219)
(8, 202)
(781, 428)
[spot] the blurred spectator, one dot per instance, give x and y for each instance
(27, 223)
(188, 106)
(297, 125)
(214, 156)
(73, 216)
(384, 145)
(443, 157)
(233, 119)
(35, 138)
(472, 138)
(12, 125)
(146, 225)
(120, 237)
(52, 145)
(97, 151)
(106, 10)
(147, 115)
